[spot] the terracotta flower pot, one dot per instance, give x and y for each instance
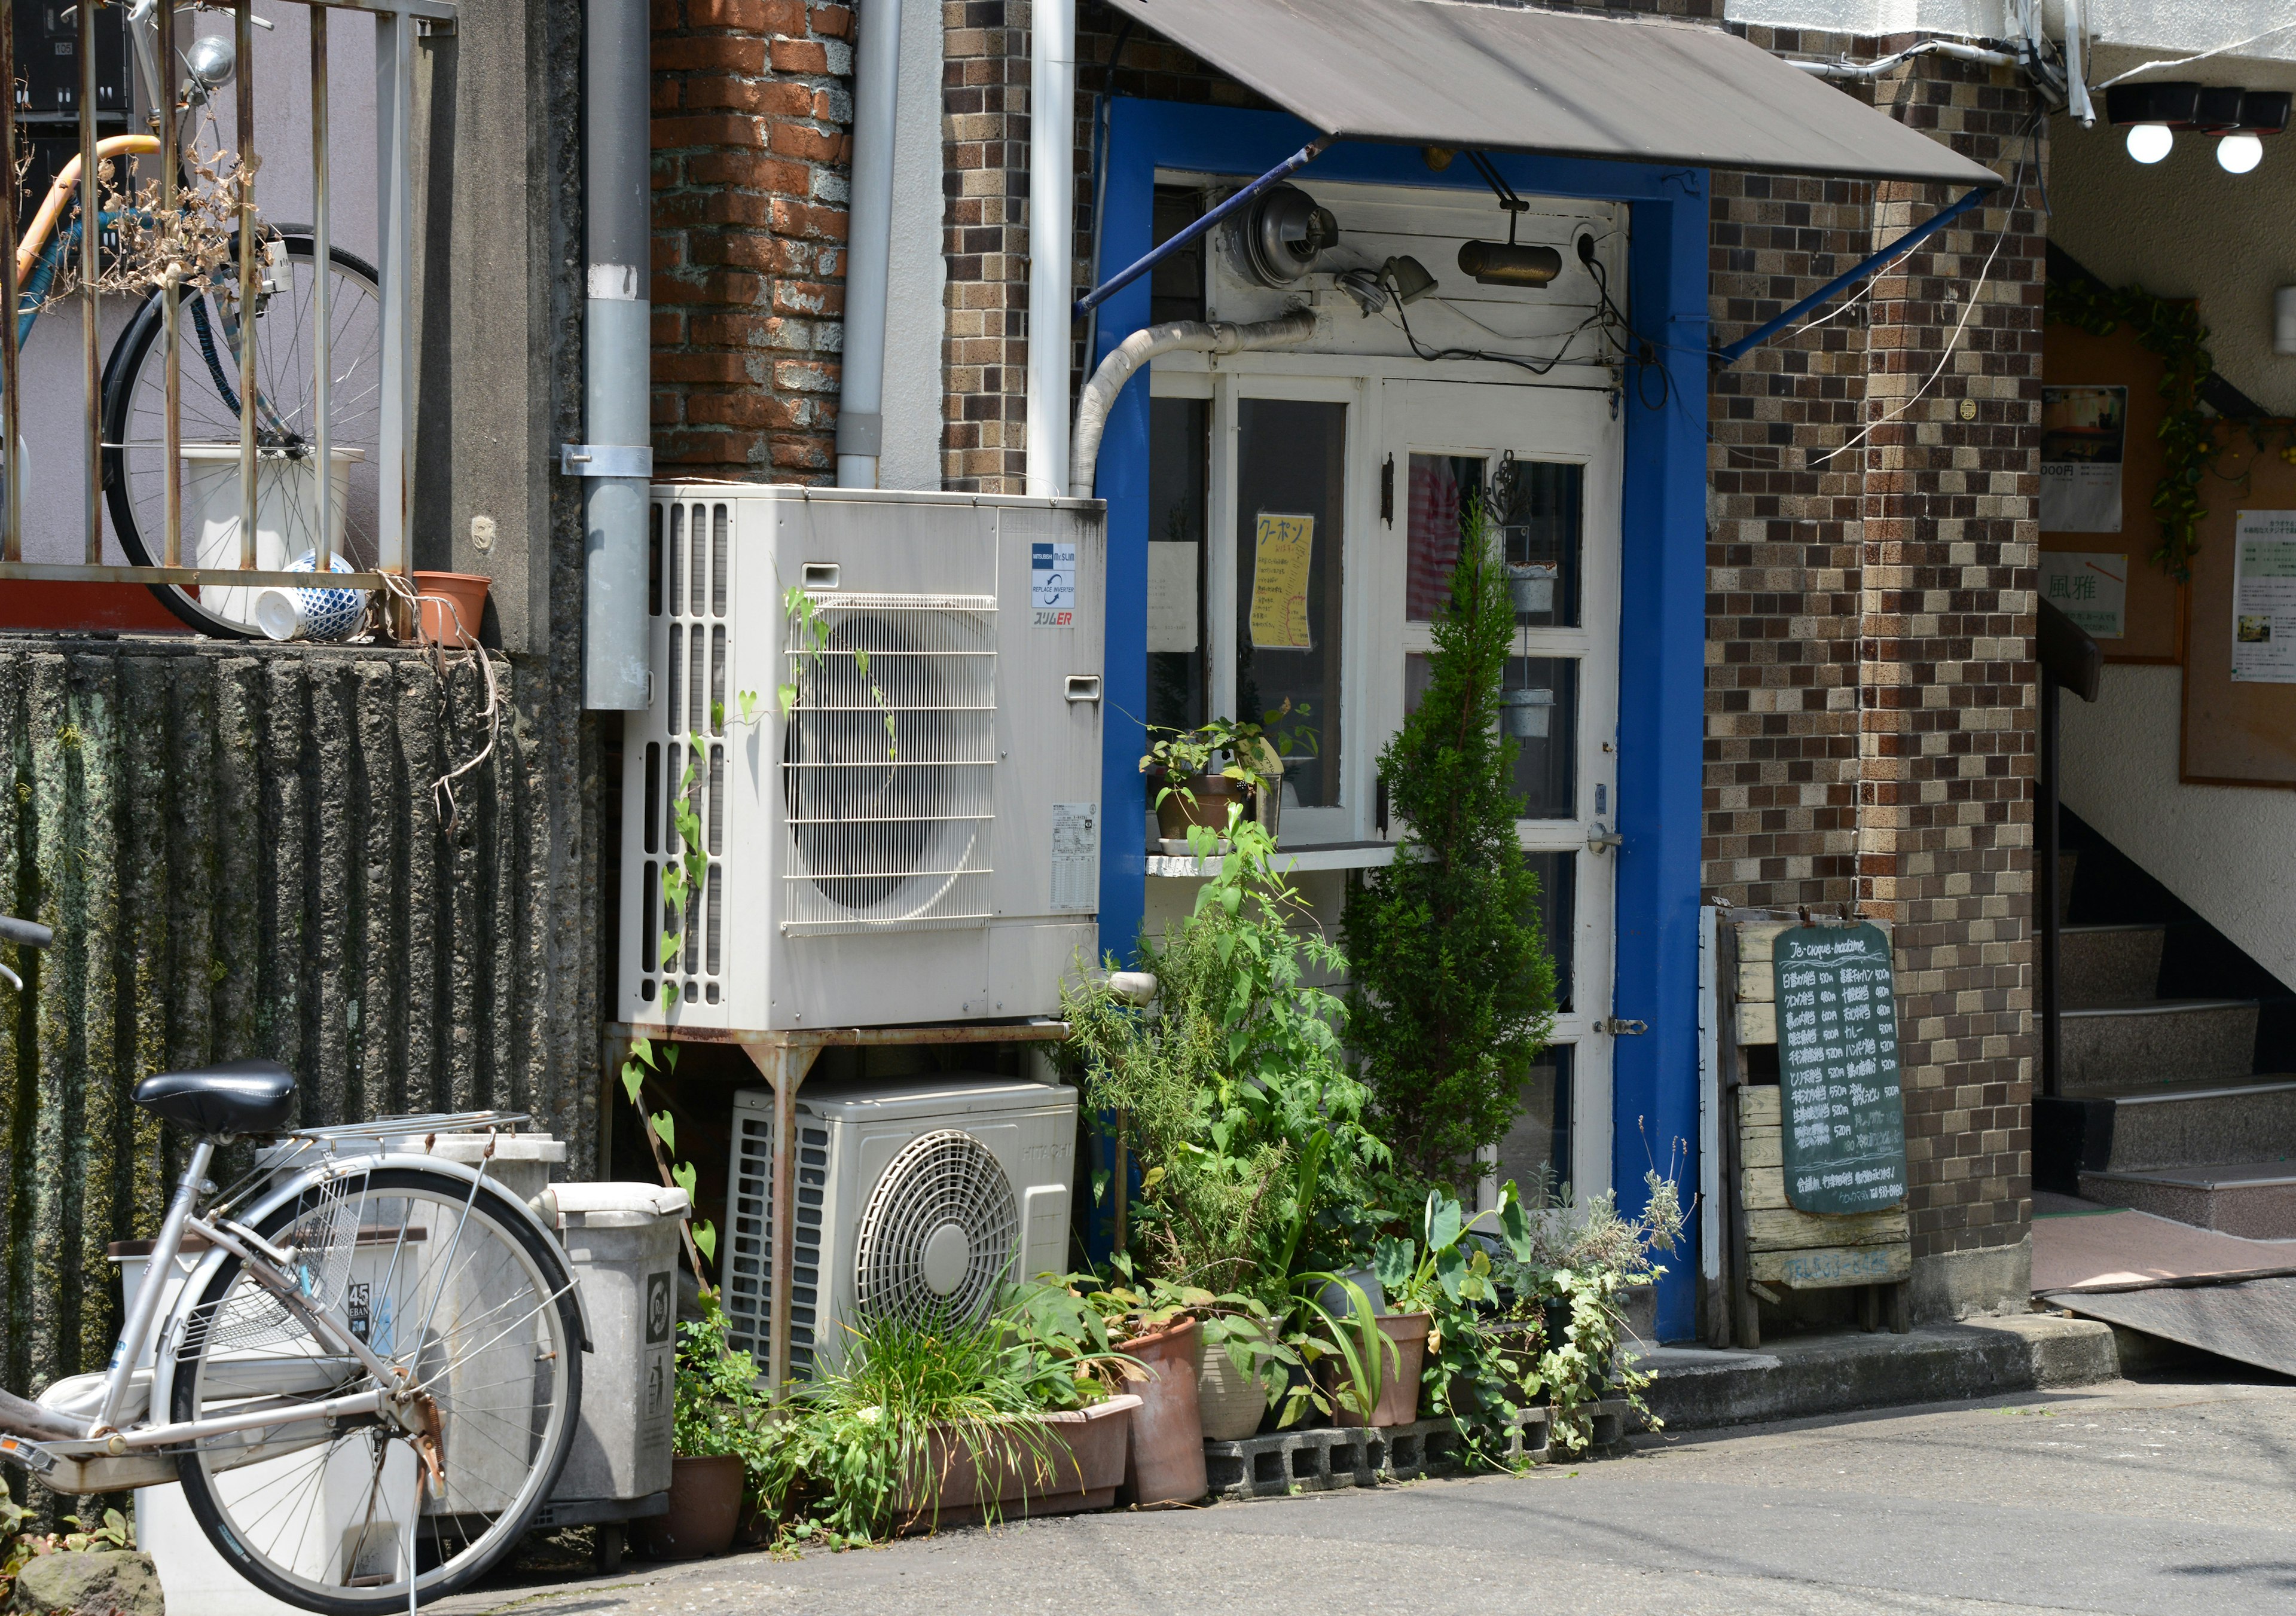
(1398, 1387)
(1076, 1463)
(705, 1506)
(1167, 1462)
(453, 604)
(1230, 1402)
(1214, 795)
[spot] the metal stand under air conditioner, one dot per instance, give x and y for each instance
(783, 1059)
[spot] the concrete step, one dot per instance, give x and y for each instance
(2117, 1048)
(2102, 965)
(1798, 1376)
(2254, 1200)
(2174, 1125)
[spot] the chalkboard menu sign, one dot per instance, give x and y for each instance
(1843, 1125)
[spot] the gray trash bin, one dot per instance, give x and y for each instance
(622, 1242)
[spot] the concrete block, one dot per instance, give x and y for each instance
(1948, 1285)
(1319, 1458)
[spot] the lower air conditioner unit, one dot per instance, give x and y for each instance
(912, 1195)
(879, 716)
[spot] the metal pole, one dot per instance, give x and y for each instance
(90, 309)
(617, 355)
(244, 94)
(394, 78)
(322, 341)
(171, 485)
(1051, 238)
(2052, 898)
(868, 255)
(12, 539)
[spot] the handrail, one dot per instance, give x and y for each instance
(2067, 654)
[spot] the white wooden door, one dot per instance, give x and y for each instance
(1549, 458)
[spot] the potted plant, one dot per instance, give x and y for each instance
(716, 1418)
(1157, 1324)
(1201, 773)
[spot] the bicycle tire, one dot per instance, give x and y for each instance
(233, 1514)
(211, 380)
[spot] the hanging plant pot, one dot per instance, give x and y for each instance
(1166, 1461)
(1533, 586)
(705, 1506)
(1214, 795)
(1527, 715)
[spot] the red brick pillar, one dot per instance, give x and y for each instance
(752, 109)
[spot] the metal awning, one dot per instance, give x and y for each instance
(1437, 72)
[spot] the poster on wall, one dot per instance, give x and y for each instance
(2083, 432)
(2264, 598)
(1284, 557)
(2089, 586)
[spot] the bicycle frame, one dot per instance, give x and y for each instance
(390, 1400)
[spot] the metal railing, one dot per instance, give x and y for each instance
(397, 23)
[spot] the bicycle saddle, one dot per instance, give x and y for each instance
(234, 1097)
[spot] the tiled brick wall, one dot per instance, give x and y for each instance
(752, 110)
(1870, 693)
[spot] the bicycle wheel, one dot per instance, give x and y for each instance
(136, 434)
(470, 1306)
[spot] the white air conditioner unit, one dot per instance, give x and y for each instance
(884, 709)
(915, 1194)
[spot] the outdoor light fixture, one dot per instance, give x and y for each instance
(2239, 118)
(1408, 277)
(1508, 263)
(2151, 114)
(2238, 152)
(2149, 143)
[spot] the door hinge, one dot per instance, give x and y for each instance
(1619, 1026)
(1387, 492)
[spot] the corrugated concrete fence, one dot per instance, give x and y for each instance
(238, 849)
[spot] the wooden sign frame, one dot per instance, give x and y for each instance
(2233, 733)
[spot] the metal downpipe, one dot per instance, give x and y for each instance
(617, 464)
(869, 248)
(1052, 227)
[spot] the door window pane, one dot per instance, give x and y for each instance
(1540, 716)
(1290, 492)
(1178, 443)
(1536, 1152)
(1540, 503)
(1440, 485)
(1557, 876)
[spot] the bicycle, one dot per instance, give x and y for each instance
(133, 388)
(371, 1374)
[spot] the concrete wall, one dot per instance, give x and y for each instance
(2229, 850)
(2184, 228)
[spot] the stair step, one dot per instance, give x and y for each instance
(2115, 1049)
(2254, 1200)
(2104, 965)
(2177, 1125)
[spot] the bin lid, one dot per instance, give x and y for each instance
(613, 1206)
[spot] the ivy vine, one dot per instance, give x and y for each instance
(2172, 329)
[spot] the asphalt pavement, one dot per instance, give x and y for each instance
(2151, 1499)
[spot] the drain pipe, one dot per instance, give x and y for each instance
(1177, 336)
(869, 248)
(1052, 233)
(617, 465)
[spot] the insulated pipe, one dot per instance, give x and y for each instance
(1052, 226)
(2077, 100)
(1873, 69)
(616, 463)
(869, 250)
(1175, 336)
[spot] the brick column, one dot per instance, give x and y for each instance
(752, 113)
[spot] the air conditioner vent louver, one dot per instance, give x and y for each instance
(888, 762)
(939, 1234)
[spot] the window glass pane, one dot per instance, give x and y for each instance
(1289, 497)
(1539, 504)
(1439, 484)
(1536, 1152)
(1178, 442)
(1557, 873)
(1541, 716)
(1175, 286)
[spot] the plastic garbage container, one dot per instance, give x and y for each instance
(622, 1244)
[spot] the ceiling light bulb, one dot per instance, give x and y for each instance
(2149, 143)
(2238, 154)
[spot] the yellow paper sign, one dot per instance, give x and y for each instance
(1284, 554)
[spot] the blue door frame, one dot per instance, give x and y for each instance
(1662, 628)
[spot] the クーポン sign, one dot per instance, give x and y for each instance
(1843, 1119)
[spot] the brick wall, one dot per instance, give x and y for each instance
(752, 113)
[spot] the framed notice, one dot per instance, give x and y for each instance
(2089, 586)
(1283, 560)
(1843, 1130)
(2264, 598)
(2084, 439)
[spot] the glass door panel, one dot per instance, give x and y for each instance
(1290, 499)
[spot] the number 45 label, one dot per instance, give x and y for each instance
(1052, 585)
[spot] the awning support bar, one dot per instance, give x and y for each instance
(1124, 277)
(1826, 293)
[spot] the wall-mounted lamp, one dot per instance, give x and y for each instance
(2238, 118)
(2152, 113)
